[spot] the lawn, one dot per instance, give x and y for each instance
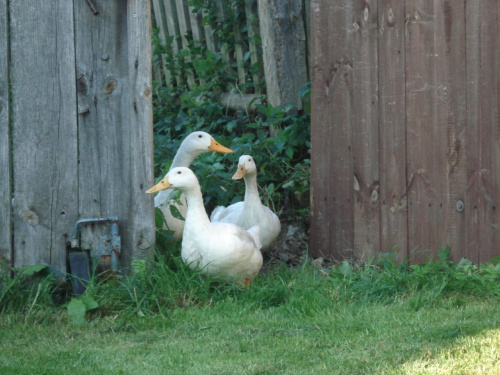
(438, 318)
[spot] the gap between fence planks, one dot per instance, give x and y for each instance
(5, 161)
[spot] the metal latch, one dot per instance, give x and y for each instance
(108, 245)
(83, 262)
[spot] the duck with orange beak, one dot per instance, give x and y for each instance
(193, 145)
(221, 250)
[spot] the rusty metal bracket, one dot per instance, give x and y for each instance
(93, 7)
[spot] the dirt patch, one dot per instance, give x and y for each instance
(291, 247)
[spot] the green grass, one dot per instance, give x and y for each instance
(380, 318)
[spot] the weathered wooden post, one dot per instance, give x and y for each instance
(283, 34)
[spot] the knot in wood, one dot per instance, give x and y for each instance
(2, 107)
(110, 86)
(146, 91)
(29, 217)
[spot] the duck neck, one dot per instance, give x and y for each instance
(251, 189)
(183, 158)
(195, 207)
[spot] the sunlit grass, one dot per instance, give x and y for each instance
(378, 318)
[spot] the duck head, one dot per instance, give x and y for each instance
(246, 165)
(180, 178)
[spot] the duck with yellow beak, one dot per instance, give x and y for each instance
(251, 211)
(221, 250)
(193, 145)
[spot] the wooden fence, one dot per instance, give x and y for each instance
(176, 20)
(75, 125)
(405, 128)
(268, 45)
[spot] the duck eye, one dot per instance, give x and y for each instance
(179, 172)
(250, 159)
(200, 136)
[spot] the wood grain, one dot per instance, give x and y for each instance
(365, 129)
(115, 122)
(43, 129)
(483, 129)
(393, 201)
(332, 182)
(283, 44)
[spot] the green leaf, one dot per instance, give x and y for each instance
(76, 311)
(89, 302)
(78, 306)
(444, 254)
(345, 268)
(159, 218)
(31, 270)
(175, 212)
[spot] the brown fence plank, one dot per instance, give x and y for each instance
(394, 230)
(365, 128)
(452, 15)
(483, 133)
(5, 180)
(331, 151)
(427, 100)
(44, 129)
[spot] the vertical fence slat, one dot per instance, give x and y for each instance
(222, 46)
(365, 129)
(103, 128)
(161, 22)
(140, 211)
(209, 37)
(284, 50)
(331, 151)
(253, 31)
(184, 27)
(114, 121)
(238, 54)
(44, 130)
(427, 97)
(197, 31)
(5, 161)
(483, 133)
(173, 29)
(453, 51)
(394, 230)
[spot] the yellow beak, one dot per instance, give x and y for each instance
(240, 172)
(162, 185)
(217, 147)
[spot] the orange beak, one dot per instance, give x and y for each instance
(240, 172)
(217, 147)
(162, 185)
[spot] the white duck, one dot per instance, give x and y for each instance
(251, 211)
(193, 145)
(219, 249)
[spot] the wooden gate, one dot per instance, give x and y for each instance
(75, 125)
(405, 128)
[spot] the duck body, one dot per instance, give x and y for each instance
(221, 250)
(192, 146)
(250, 212)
